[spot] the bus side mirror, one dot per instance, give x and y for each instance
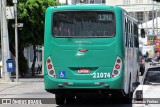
(143, 33)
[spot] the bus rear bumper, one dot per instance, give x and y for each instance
(111, 83)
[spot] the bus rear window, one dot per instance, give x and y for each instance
(83, 24)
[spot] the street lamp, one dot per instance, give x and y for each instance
(16, 37)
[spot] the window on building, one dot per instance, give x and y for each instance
(140, 16)
(91, 1)
(150, 17)
(97, 1)
(125, 1)
(139, 1)
(85, 1)
(81, 1)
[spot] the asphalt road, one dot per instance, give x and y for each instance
(34, 88)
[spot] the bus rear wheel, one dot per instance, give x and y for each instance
(128, 97)
(60, 99)
(70, 99)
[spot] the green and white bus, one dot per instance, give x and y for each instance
(89, 49)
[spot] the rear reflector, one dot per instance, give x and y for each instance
(66, 83)
(83, 50)
(101, 83)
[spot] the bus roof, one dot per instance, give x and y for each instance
(86, 6)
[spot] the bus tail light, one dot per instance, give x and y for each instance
(117, 67)
(50, 67)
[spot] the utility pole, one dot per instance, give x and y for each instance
(66, 2)
(153, 13)
(4, 41)
(16, 37)
(157, 21)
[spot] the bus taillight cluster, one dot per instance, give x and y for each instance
(50, 68)
(117, 67)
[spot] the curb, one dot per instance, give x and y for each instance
(5, 81)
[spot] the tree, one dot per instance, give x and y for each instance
(32, 14)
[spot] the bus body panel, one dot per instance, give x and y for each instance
(116, 83)
(100, 56)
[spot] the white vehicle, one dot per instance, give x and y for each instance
(155, 61)
(148, 91)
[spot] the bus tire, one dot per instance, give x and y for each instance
(117, 97)
(128, 97)
(70, 99)
(137, 80)
(60, 99)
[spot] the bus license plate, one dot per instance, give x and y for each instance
(83, 71)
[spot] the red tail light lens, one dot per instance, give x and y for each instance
(117, 66)
(49, 66)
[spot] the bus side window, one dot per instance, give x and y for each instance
(126, 32)
(136, 42)
(129, 36)
(132, 35)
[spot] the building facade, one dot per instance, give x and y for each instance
(143, 10)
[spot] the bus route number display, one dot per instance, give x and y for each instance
(105, 17)
(101, 75)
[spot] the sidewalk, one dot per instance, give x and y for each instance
(28, 78)
(6, 85)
